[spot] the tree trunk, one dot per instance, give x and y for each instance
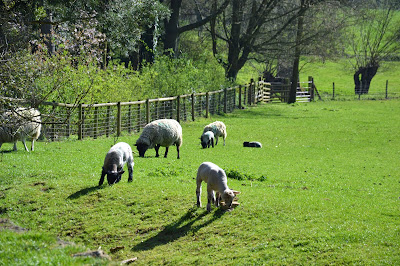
(297, 53)
(47, 32)
(234, 41)
(363, 78)
(171, 29)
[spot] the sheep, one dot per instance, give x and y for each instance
(218, 128)
(20, 124)
(162, 132)
(216, 180)
(207, 139)
(118, 155)
(252, 144)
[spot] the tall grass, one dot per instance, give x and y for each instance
(329, 193)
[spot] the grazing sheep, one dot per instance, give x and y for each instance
(216, 180)
(162, 132)
(119, 155)
(218, 128)
(207, 139)
(252, 144)
(20, 124)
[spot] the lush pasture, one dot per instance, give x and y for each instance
(325, 190)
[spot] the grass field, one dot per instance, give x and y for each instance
(324, 189)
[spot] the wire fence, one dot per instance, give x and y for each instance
(62, 121)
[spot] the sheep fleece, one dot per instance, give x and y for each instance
(165, 132)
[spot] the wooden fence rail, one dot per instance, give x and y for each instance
(63, 120)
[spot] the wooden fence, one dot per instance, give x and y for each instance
(61, 120)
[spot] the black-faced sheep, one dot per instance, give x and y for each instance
(216, 180)
(162, 132)
(207, 139)
(219, 130)
(119, 155)
(252, 144)
(20, 124)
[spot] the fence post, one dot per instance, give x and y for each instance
(249, 98)
(129, 119)
(333, 90)
(108, 120)
(192, 106)
(178, 108)
(96, 121)
(386, 93)
(53, 127)
(119, 119)
(311, 87)
(240, 96)
(139, 114)
(207, 103)
(147, 111)
(80, 118)
(225, 99)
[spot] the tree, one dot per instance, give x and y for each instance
(248, 28)
(374, 38)
(172, 30)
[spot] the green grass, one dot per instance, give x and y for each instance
(329, 195)
(341, 74)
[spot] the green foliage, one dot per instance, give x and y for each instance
(330, 196)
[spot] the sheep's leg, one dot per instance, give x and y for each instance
(224, 141)
(166, 152)
(218, 199)
(210, 198)
(177, 149)
(157, 147)
(198, 192)
(130, 171)
(33, 145)
(23, 141)
(15, 146)
(216, 140)
(103, 173)
(212, 143)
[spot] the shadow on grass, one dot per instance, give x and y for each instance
(178, 229)
(83, 192)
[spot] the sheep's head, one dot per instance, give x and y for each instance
(204, 141)
(206, 138)
(114, 176)
(228, 197)
(142, 148)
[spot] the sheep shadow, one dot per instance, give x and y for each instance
(178, 229)
(83, 192)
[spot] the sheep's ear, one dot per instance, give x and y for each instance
(236, 192)
(121, 172)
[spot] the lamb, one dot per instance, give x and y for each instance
(218, 128)
(216, 180)
(119, 155)
(20, 124)
(207, 139)
(162, 132)
(252, 144)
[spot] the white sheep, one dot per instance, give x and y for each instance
(162, 132)
(207, 139)
(219, 130)
(20, 124)
(119, 155)
(216, 180)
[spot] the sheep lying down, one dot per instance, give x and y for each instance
(216, 180)
(119, 155)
